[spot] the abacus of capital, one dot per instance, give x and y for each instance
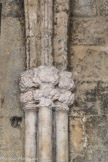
(44, 89)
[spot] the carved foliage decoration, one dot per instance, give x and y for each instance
(48, 87)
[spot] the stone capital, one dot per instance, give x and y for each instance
(45, 86)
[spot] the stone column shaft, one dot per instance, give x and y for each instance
(62, 154)
(61, 26)
(62, 136)
(30, 135)
(66, 99)
(45, 134)
(49, 78)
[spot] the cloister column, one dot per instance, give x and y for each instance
(61, 52)
(30, 109)
(45, 110)
(49, 79)
(65, 100)
(30, 134)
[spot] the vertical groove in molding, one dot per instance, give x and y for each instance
(61, 22)
(30, 7)
(46, 11)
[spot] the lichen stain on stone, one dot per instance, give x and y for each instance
(15, 121)
(14, 9)
(78, 134)
(99, 94)
(1, 100)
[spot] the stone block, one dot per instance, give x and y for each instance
(83, 8)
(97, 156)
(91, 32)
(90, 99)
(12, 8)
(96, 129)
(11, 140)
(89, 63)
(88, 138)
(103, 8)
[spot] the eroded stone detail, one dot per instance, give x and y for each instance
(32, 32)
(46, 86)
(61, 26)
(46, 30)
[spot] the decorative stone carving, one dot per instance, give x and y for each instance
(46, 86)
(31, 8)
(65, 86)
(46, 30)
(61, 26)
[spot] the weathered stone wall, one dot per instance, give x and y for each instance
(12, 58)
(88, 57)
(88, 60)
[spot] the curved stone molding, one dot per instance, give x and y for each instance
(32, 32)
(46, 30)
(45, 86)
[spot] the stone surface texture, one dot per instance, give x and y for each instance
(62, 145)
(12, 63)
(60, 40)
(32, 32)
(45, 86)
(30, 149)
(87, 59)
(39, 32)
(46, 31)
